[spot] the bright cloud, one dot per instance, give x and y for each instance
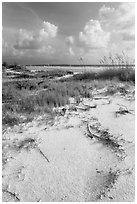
(121, 21)
(71, 52)
(112, 30)
(50, 29)
(70, 40)
(93, 35)
(30, 40)
(9, 50)
(25, 40)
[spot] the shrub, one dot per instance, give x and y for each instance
(9, 119)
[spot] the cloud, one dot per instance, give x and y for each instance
(120, 21)
(113, 31)
(93, 35)
(70, 43)
(25, 40)
(106, 12)
(71, 52)
(49, 50)
(4, 46)
(9, 50)
(70, 40)
(50, 29)
(29, 40)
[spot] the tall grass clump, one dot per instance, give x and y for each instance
(118, 67)
(122, 67)
(10, 92)
(120, 74)
(56, 95)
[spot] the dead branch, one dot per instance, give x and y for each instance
(90, 106)
(86, 107)
(123, 111)
(105, 137)
(30, 143)
(122, 105)
(12, 194)
(83, 108)
(91, 134)
(99, 98)
(42, 154)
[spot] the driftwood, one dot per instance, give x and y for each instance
(100, 97)
(42, 154)
(91, 134)
(30, 143)
(86, 107)
(90, 106)
(104, 136)
(123, 110)
(107, 139)
(83, 108)
(12, 194)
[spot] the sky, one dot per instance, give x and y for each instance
(62, 32)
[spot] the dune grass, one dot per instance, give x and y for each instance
(20, 99)
(121, 74)
(22, 102)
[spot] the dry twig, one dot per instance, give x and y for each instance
(12, 194)
(30, 143)
(123, 110)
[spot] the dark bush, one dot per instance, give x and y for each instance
(9, 119)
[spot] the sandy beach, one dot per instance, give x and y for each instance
(67, 163)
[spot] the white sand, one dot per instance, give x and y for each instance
(79, 167)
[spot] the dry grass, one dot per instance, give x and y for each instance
(103, 135)
(18, 97)
(121, 74)
(111, 178)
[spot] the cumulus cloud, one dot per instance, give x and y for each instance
(46, 49)
(25, 40)
(93, 35)
(8, 49)
(50, 29)
(71, 52)
(106, 12)
(70, 40)
(120, 20)
(30, 40)
(70, 43)
(113, 31)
